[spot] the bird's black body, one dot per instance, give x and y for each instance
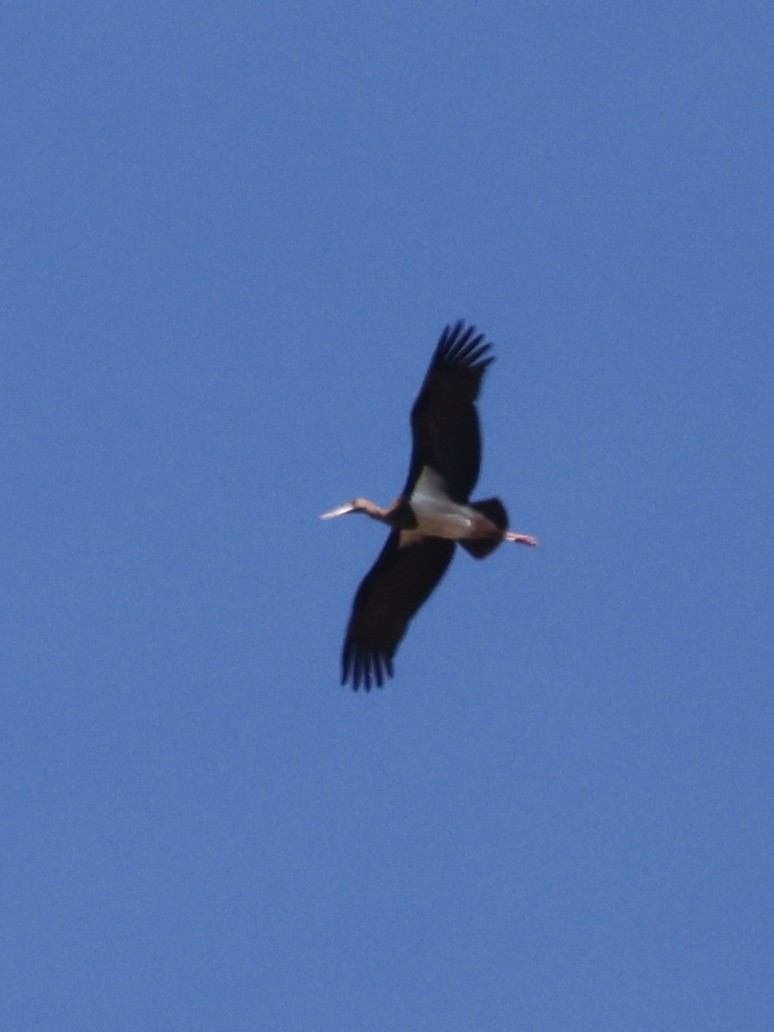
(432, 512)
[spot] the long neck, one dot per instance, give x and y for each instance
(399, 515)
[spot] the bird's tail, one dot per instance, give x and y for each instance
(496, 513)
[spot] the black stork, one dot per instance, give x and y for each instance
(431, 513)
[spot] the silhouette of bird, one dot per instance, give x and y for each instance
(431, 514)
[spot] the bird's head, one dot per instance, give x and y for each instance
(356, 505)
(342, 510)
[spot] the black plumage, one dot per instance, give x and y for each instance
(444, 421)
(432, 512)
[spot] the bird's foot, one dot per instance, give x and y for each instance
(522, 539)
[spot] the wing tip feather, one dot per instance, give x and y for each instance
(460, 345)
(363, 667)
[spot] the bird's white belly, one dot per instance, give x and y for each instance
(438, 516)
(446, 521)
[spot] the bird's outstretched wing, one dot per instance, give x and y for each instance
(392, 591)
(444, 421)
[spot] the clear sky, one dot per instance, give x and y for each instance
(231, 236)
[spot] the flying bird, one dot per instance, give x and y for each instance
(431, 514)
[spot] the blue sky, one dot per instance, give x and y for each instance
(231, 236)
